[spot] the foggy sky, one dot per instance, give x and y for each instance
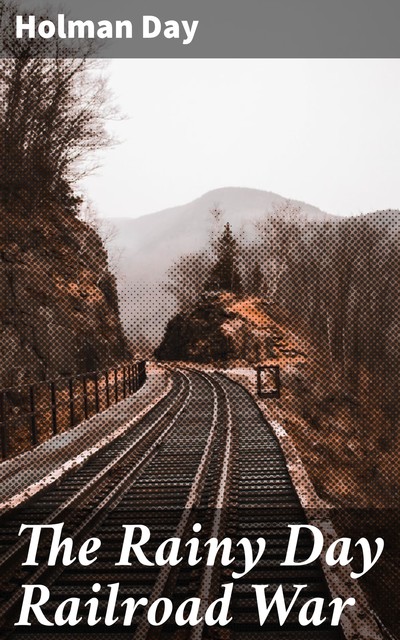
(326, 132)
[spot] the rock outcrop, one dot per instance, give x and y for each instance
(58, 305)
(226, 328)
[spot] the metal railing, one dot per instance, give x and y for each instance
(31, 414)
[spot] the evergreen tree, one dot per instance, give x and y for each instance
(256, 280)
(225, 274)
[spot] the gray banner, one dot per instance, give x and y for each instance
(238, 29)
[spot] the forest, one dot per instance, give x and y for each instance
(333, 281)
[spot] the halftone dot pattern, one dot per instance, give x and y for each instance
(233, 318)
(319, 298)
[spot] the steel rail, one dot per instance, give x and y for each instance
(167, 577)
(144, 631)
(96, 484)
(220, 503)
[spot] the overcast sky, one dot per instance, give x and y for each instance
(326, 132)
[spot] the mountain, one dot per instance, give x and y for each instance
(150, 244)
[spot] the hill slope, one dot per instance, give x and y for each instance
(150, 244)
(153, 241)
(58, 307)
(225, 328)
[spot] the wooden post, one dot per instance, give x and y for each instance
(71, 402)
(107, 389)
(130, 379)
(116, 385)
(3, 426)
(124, 382)
(277, 382)
(53, 407)
(32, 407)
(141, 373)
(259, 380)
(96, 392)
(274, 371)
(85, 397)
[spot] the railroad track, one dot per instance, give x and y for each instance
(202, 464)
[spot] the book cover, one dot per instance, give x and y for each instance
(199, 324)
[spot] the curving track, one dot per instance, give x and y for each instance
(204, 455)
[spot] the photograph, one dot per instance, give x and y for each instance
(199, 328)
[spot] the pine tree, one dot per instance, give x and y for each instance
(225, 274)
(256, 280)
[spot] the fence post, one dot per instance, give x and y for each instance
(71, 401)
(258, 369)
(85, 397)
(130, 378)
(3, 424)
(33, 415)
(116, 385)
(136, 376)
(144, 375)
(133, 376)
(124, 382)
(107, 389)
(274, 371)
(96, 392)
(277, 382)
(53, 407)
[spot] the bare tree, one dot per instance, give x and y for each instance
(108, 233)
(255, 283)
(53, 110)
(187, 277)
(217, 215)
(279, 233)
